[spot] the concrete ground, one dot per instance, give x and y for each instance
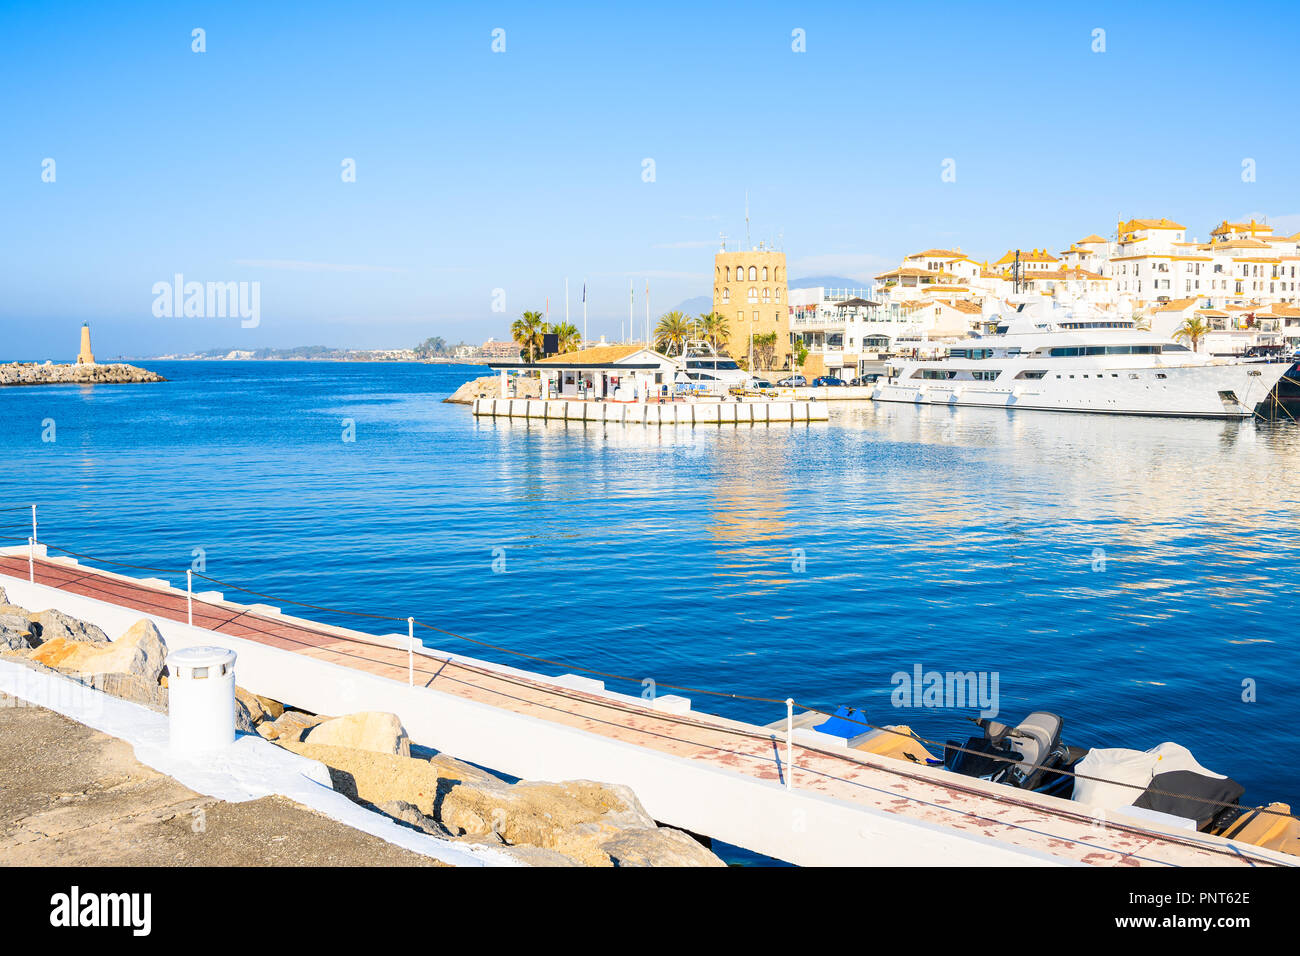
(72, 796)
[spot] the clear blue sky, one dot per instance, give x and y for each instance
(478, 171)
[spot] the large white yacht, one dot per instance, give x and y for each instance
(1055, 358)
(708, 369)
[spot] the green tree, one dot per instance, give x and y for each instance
(527, 332)
(1193, 330)
(672, 330)
(764, 349)
(716, 329)
(568, 337)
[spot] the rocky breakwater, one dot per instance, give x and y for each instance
(30, 373)
(372, 761)
(489, 386)
(542, 823)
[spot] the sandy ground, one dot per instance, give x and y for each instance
(73, 796)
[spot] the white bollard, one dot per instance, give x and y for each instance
(31, 560)
(200, 700)
(189, 596)
(410, 651)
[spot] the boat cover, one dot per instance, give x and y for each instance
(1136, 768)
(1191, 795)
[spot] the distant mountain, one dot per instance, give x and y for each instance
(696, 306)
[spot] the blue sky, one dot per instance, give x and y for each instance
(478, 171)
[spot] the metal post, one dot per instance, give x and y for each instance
(34, 523)
(789, 751)
(410, 651)
(31, 560)
(189, 596)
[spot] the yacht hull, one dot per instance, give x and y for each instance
(1218, 391)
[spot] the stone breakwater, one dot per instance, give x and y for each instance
(372, 761)
(31, 373)
(489, 386)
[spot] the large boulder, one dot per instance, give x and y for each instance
(288, 727)
(372, 730)
(15, 629)
(576, 821)
(49, 624)
(662, 846)
(139, 651)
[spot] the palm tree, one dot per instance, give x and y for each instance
(528, 332)
(568, 338)
(673, 329)
(716, 328)
(1193, 330)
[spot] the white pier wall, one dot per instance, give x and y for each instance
(797, 826)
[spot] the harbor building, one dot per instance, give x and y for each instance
(85, 356)
(749, 288)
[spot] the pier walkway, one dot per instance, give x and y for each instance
(722, 778)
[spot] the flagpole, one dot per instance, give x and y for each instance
(584, 311)
(566, 300)
(647, 313)
(631, 308)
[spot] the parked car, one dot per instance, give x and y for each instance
(758, 383)
(828, 380)
(794, 381)
(869, 379)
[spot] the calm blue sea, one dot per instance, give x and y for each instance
(1127, 573)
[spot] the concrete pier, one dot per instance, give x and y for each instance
(826, 805)
(779, 411)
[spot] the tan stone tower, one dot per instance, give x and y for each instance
(85, 356)
(749, 288)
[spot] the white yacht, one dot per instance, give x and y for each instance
(708, 369)
(1051, 358)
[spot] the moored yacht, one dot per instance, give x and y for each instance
(1052, 358)
(709, 369)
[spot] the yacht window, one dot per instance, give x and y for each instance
(1161, 375)
(1037, 373)
(1132, 375)
(1176, 348)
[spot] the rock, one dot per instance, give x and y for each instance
(49, 624)
(375, 778)
(251, 704)
(375, 731)
(15, 629)
(139, 651)
(144, 635)
(489, 386)
(662, 846)
(272, 708)
(573, 822)
(288, 727)
(132, 687)
(245, 722)
(411, 815)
